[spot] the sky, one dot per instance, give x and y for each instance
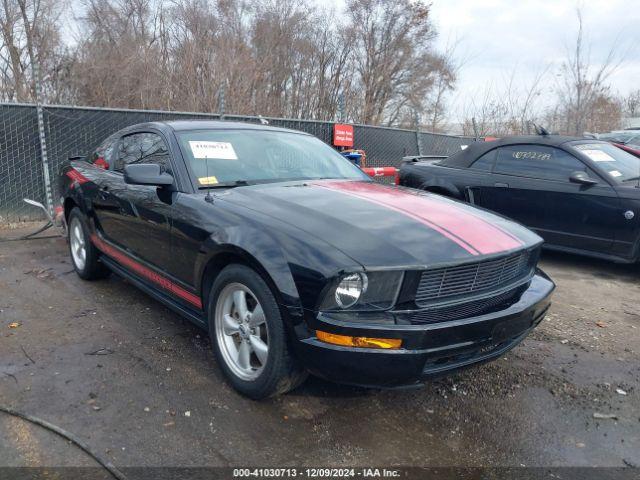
(494, 38)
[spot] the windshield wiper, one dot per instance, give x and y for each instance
(236, 183)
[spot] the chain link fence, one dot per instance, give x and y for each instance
(70, 131)
(21, 174)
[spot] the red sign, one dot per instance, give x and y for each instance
(342, 135)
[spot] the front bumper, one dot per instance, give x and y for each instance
(427, 350)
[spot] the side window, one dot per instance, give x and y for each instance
(537, 161)
(102, 156)
(142, 148)
(564, 164)
(485, 162)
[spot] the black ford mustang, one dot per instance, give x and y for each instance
(295, 261)
(580, 195)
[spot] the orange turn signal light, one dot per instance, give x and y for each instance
(361, 342)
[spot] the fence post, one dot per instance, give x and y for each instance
(341, 107)
(43, 142)
(221, 102)
(417, 119)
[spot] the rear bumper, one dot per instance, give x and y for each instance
(428, 350)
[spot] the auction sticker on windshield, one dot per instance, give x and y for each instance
(208, 180)
(213, 150)
(598, 155)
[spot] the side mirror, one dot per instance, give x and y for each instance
(147, 174)
(582, 178)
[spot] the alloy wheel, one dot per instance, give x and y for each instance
(241, 331)
(78, 243)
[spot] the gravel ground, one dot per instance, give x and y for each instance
(139, 385)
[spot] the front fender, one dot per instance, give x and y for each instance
(258, 249)
(296, 264)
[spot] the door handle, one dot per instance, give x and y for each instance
(471, 196)
(501, 185)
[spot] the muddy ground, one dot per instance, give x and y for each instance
(139, 384)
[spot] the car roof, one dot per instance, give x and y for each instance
(475, 150)
(186, 125)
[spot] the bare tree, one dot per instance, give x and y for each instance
(394, 56)
(631, 104)
(119, 54)
(30, 41)
(14, 78)
(582, 85)
(508, 109)
(581, 100)
(270, 57)
(436, 107)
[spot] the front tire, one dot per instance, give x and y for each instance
(248, 336)
(84, 255)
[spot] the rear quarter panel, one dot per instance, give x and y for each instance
(439, 179)
(77, 184)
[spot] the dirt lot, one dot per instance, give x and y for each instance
(139, 384)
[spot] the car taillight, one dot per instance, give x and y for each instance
(101, 163)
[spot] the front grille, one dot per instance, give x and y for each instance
(466, 310)
(448, 283)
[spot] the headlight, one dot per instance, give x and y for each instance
(350, 288)
(372, 291)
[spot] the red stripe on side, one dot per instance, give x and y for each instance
(468, 230)
(149, 274)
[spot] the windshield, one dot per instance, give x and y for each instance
(254, 156)
(617, 163)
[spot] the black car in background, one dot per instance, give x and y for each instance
(580, 195)
(294, 260)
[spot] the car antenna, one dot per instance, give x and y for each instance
(540, 130)
(208, 198)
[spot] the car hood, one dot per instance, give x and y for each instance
(384, 226)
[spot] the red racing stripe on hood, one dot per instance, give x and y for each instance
(469, 230)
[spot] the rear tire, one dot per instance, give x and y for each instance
(85, 257)
(248, 335)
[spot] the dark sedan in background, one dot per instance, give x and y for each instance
(294, 260)
(580, 195)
